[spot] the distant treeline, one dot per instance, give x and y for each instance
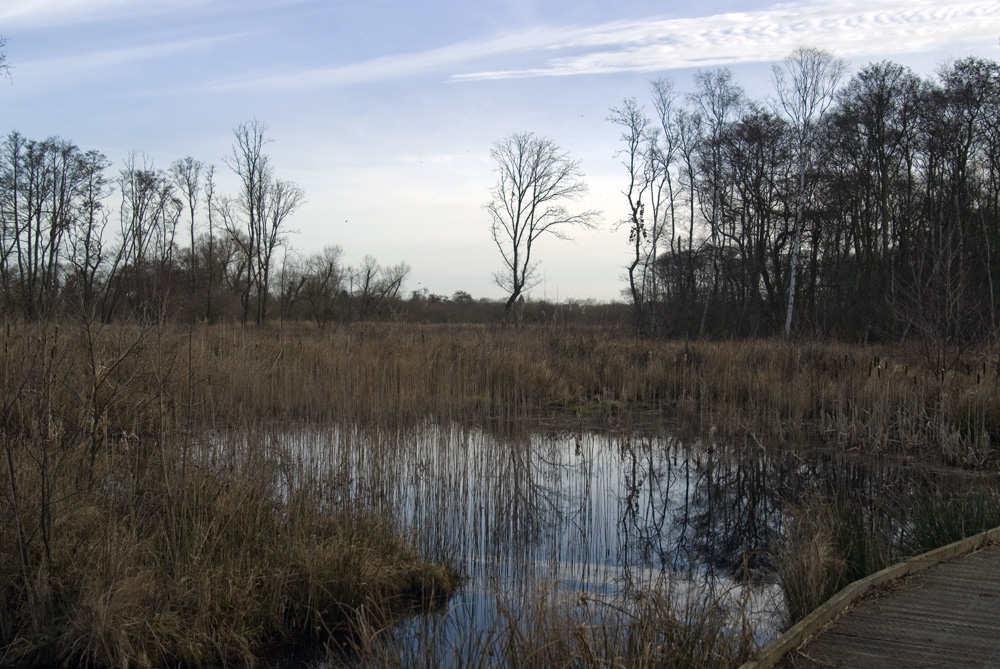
(898, 224)
(890, 198)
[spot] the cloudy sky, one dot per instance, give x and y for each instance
(384, 111)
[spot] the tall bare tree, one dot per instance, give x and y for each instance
(186, 173)
(263, 206)
(664, 151)
(210, 204)
(87, 248)
(806, 82)
(253, 168)
(720, 100)
(534, 178)
(689, 128)
(635, 155)
(4, 65)
(149, 214)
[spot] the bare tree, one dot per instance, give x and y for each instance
(689, 128)
(664, 150)
(323, 281)
(806, 82)
(49, 190)
(282, 199)
(374, 286)
(534, 177)
(253, 168)
(635, 159)
(87, 252)
(210, 204)
(265, 204)
(186, 173)
(149, 213)
(720, 101)
(4, 65)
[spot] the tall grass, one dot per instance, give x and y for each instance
(141, 380)
(134, 535)
(548, 627)
(151, 516)
(834, 540)
(874, 399)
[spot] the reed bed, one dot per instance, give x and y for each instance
(135, 534)
(151, 517)
(874, 399)
(548, 627)
(142, 380)
(838, 538)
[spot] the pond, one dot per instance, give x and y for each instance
(600, 516)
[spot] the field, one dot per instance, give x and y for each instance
(152, 515)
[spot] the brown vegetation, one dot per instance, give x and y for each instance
(150, 515)
(877, 399)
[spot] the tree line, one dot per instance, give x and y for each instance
(863, 207)
(150, 243)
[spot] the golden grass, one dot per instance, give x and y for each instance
(871, 398)
(135, 536)
(136, 381)
(547, 626)
(149, 516)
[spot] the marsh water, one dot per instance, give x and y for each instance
(600, 513)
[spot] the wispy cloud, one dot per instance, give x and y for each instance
(62, 12)
(47, 11)
(102, 59)
(395, 66)
(848, 28)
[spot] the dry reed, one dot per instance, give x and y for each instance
(150, 517)
(875, 399)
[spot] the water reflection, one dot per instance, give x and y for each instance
(584, 512)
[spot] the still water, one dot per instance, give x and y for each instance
(602, 514)
(548, 514)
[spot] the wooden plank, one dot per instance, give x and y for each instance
(862, 657)
(844, 599)
(950, 619)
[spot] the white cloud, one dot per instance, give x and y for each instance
(391, 67)
(61, 12)
(848, 28)
(98, 60)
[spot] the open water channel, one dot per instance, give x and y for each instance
(600, 513)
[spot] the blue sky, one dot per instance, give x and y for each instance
(384, 110)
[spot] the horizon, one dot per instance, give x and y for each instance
(385, 113)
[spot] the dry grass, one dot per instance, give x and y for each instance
(873, 399)
(550, 627)
(134, 535)
(150, 517)
(833, 540)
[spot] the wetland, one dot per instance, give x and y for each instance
(470, 496)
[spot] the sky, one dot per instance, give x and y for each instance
(384, 111)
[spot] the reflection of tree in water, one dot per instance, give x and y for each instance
(720, 510)
(588, 508)
(527, 496)
(741, 499)
(516, 509)
(647, 483)
(687, 508)
(735, 511)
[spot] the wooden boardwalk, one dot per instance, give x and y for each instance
(947, 615)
